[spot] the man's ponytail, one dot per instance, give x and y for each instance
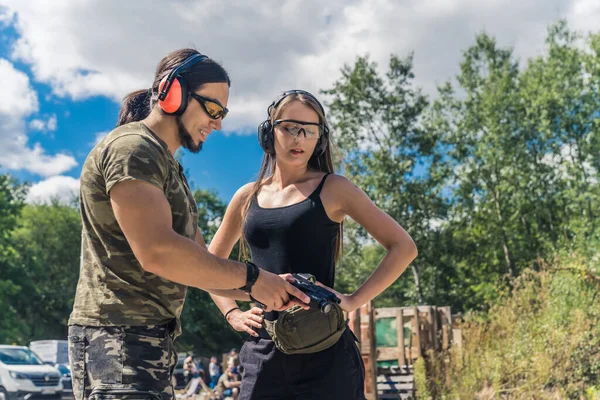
(136, 107)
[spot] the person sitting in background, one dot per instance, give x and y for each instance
(190, 369)
(228, 384)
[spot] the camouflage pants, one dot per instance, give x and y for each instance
(122, 362)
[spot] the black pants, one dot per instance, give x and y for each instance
(335, 373)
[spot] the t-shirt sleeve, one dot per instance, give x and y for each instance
(133, 157)
(221, 383)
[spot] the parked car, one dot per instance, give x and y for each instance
(56, 353)
(24, 375)
(65, 379)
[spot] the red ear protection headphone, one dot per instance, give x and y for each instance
(173, 91)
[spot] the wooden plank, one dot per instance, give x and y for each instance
(417, 334)
(373, 356)
(387, 353)
(396, 387)
(457, 339)
(447, 315)
(395, 378)
(386, 312)
(368, 349)
(435, 328)
(408, 311)
(400, 335)
(392, 372)
(396, 370)
(426, 315)
(445, 337)
(430, 331)
(414, 353)
(444, 319)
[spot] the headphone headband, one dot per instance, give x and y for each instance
(188, 63)
(287, 93)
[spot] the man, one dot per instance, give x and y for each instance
(141, 246)
(228, 384)
(214, 372)
(190, 368)
(234, 357)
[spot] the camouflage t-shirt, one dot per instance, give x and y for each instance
(113, 289)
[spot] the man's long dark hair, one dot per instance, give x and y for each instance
(138, 104)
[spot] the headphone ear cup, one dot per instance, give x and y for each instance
(175, 101)
(265, 137)
(322, 143)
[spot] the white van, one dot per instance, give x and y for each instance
(23, 376)
(51, 351)
(56, 353)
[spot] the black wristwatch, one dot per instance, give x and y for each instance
(251, 277)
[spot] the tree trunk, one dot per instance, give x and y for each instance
(507, 254)
(417, 283)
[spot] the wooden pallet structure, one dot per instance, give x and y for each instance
(392, 339)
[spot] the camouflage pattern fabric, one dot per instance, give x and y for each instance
(113, 289)
(125, 362)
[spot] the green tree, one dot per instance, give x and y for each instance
(48, 241)
(519, 159)
(13, 329)
(480, 129)
(377, 123)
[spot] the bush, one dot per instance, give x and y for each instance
(540, 340)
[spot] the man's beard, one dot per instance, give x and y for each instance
(186, 139)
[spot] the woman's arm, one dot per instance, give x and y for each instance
(227, 235)
(344, 198)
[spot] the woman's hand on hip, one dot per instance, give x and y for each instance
(244, 321)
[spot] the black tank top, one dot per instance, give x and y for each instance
(295, 238)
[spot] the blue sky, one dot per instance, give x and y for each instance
(66, 65)
(226, 162)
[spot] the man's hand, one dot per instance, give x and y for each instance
(274, 292)
(293, 301)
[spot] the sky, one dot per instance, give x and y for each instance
(65, 65)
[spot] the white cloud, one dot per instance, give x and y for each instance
(61, 188)
(5, 15)
(15, 152)
(41, 125)
(15, 87)
(37, 125)
(269, 46)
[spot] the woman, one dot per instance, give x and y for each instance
(291, 220)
